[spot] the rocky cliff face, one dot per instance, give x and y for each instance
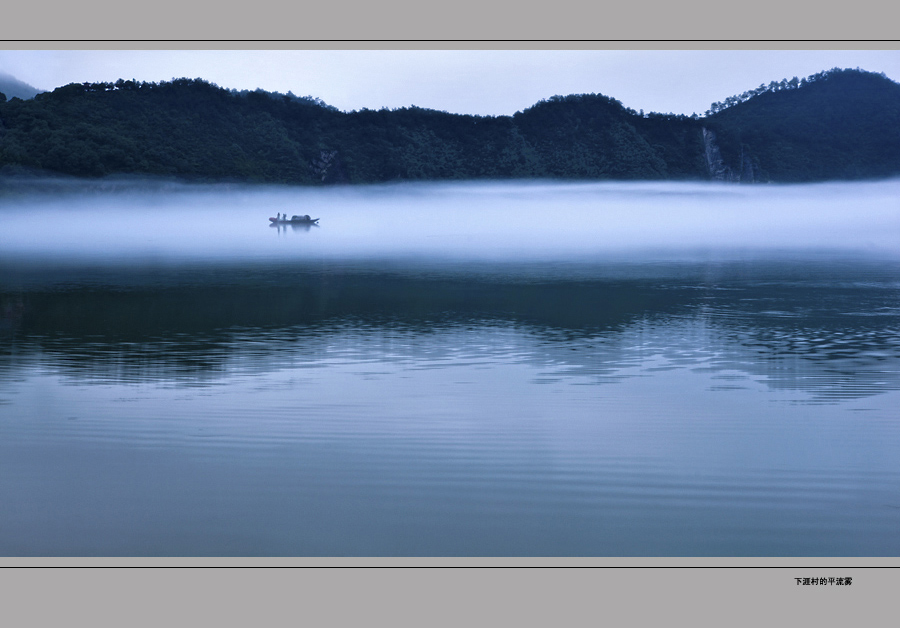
(716, 167)
(748, 173)
(328, 168)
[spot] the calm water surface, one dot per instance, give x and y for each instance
(450, 370)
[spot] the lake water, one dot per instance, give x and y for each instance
(497, 369)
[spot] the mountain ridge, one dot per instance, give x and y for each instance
(838, 124)
(12, 87)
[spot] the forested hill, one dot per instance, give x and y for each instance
(840, 124)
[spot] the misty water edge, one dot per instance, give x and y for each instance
(492, 369)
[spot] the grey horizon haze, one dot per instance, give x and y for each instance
(475, 82)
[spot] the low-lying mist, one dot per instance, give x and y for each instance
(124, 222)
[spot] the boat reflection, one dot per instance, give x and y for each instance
(297, 226)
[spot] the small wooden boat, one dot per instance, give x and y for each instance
(294, 220)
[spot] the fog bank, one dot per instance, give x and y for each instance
(137, 221)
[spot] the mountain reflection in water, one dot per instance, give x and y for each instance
(475, 370)
(805, 326)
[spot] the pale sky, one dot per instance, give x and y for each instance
(483, 82)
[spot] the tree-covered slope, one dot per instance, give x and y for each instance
(839, 124)
(183, 128)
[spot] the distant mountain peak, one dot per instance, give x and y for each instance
(14, 88)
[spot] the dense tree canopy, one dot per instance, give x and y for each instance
(840, 124)
(837, 124)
